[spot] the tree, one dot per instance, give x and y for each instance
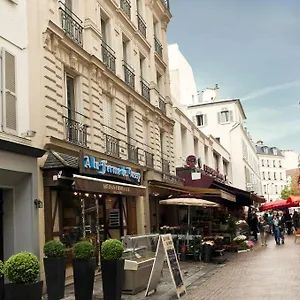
(286, 192)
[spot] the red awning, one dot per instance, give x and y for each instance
(279, 204)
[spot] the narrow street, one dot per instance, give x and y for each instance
(265, 273)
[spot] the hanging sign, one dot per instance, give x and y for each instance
(165, 250)
(191, 161)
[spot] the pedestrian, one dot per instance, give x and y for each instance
(281, 226)
(288, 222)
(254, 226)
(296, 218)
(263, 228)
(276, 229)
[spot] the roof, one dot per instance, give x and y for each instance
(57, 160)
(265, 150)
(237, 101)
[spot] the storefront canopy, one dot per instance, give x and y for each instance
(189, 202)
(280, 204)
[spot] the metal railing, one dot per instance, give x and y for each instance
(149, 159)
(145, 89)
(112, 145)
(75, 132)
(158, 47)
(162, 104)
(71, 24)
(165, 166)
(108, 57)
(141, 25)
(129, 76)
(126, 7)
(132, 153)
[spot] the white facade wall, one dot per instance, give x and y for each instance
(273, 176)
(14, 40)
(183, 85)
(291, 159)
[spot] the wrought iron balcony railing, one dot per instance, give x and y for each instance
(145, 89)
(162, 104)
(108, 57)
(142, 25)
(149, 159)
(129, 76)
(132, 153)
(126, 7)
(112, 145)
(75, 132)
(165, 166)
(158, 47)
(71, 24)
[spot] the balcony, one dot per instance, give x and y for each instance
(108, 57)
(158, 47)
(71, 24)
(149, 159)
(145, 89)
(132, 153)
(75, 132)
(129, 76)
(126, 7)
(165, 164)
(112, 145)
(141, 25)
(162, 104)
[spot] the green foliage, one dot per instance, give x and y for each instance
(54, 249)
(23, 268)
(1, 268)
(83, 250)
(112, 249)
(286, 192)
(243, 246)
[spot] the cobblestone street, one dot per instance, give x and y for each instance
(264, 273)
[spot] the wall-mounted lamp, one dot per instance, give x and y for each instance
(38, 203)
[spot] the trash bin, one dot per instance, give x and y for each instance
(207, 253)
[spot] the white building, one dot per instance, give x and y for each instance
(291, 159)
(18, 159)
(273, 170)
(224, 119)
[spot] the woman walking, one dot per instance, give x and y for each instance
(276, 229)
(263, 228)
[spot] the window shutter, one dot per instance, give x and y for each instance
(205, 120)
(9, 105)
(231, 116)
(219, 117)
(194, 119)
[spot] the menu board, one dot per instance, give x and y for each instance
(165, 250)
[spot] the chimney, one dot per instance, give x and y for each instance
(217, 92)
(260, 142)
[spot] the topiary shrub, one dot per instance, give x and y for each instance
(112, 249)
(83, 250)
(1, 268)
(23, 268)
(54, 249)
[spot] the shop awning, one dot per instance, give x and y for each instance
(258, 199)
(95, 185)
(194, 191)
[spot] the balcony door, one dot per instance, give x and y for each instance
(71, 128)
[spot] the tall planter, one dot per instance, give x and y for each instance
(84, 276)
(112, 278)
(55, 270)
(15, 291)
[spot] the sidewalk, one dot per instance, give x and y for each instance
(193, 272)
(266, 273)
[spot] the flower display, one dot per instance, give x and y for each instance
(250, 244)
(240, 238)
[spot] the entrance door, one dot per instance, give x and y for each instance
(1, 226)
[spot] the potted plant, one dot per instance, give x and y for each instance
(1, 280)
(112, 269)
(22, 271)
(84, 265)
(55, 269)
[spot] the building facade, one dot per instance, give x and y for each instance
(19, 213)
(291, 159)
(273, 171)
(224, 120)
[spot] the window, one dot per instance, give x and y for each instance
(275, 152)
(69, 4)
(269, 175)
(225, 116)
(201, 120)
(265, 189)
(125, 46)
(276, 189)
(275, 177)
(70, 96)
(216, 161)
(263, 162)
(266, 150)
(281, 176)
(263, 175)
(196, 147)
(280, 164)
(142, 65)
(104, 30)
(8, 106)
(268, 164)
(274, 163)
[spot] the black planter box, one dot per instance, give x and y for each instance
(112, 278)
(84, 276)
(15, 291)
(55, 270)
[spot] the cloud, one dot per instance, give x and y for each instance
(270, 89)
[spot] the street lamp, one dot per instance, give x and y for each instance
(269, 191)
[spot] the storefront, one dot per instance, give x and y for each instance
(87, 197)
(19, 203)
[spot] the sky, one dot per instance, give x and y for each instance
(251, 48)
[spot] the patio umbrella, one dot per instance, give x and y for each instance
(189, 202)
(279, 204)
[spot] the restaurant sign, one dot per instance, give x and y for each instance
(210, 171)
(102, 167)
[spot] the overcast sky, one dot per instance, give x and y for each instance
(251, 48)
